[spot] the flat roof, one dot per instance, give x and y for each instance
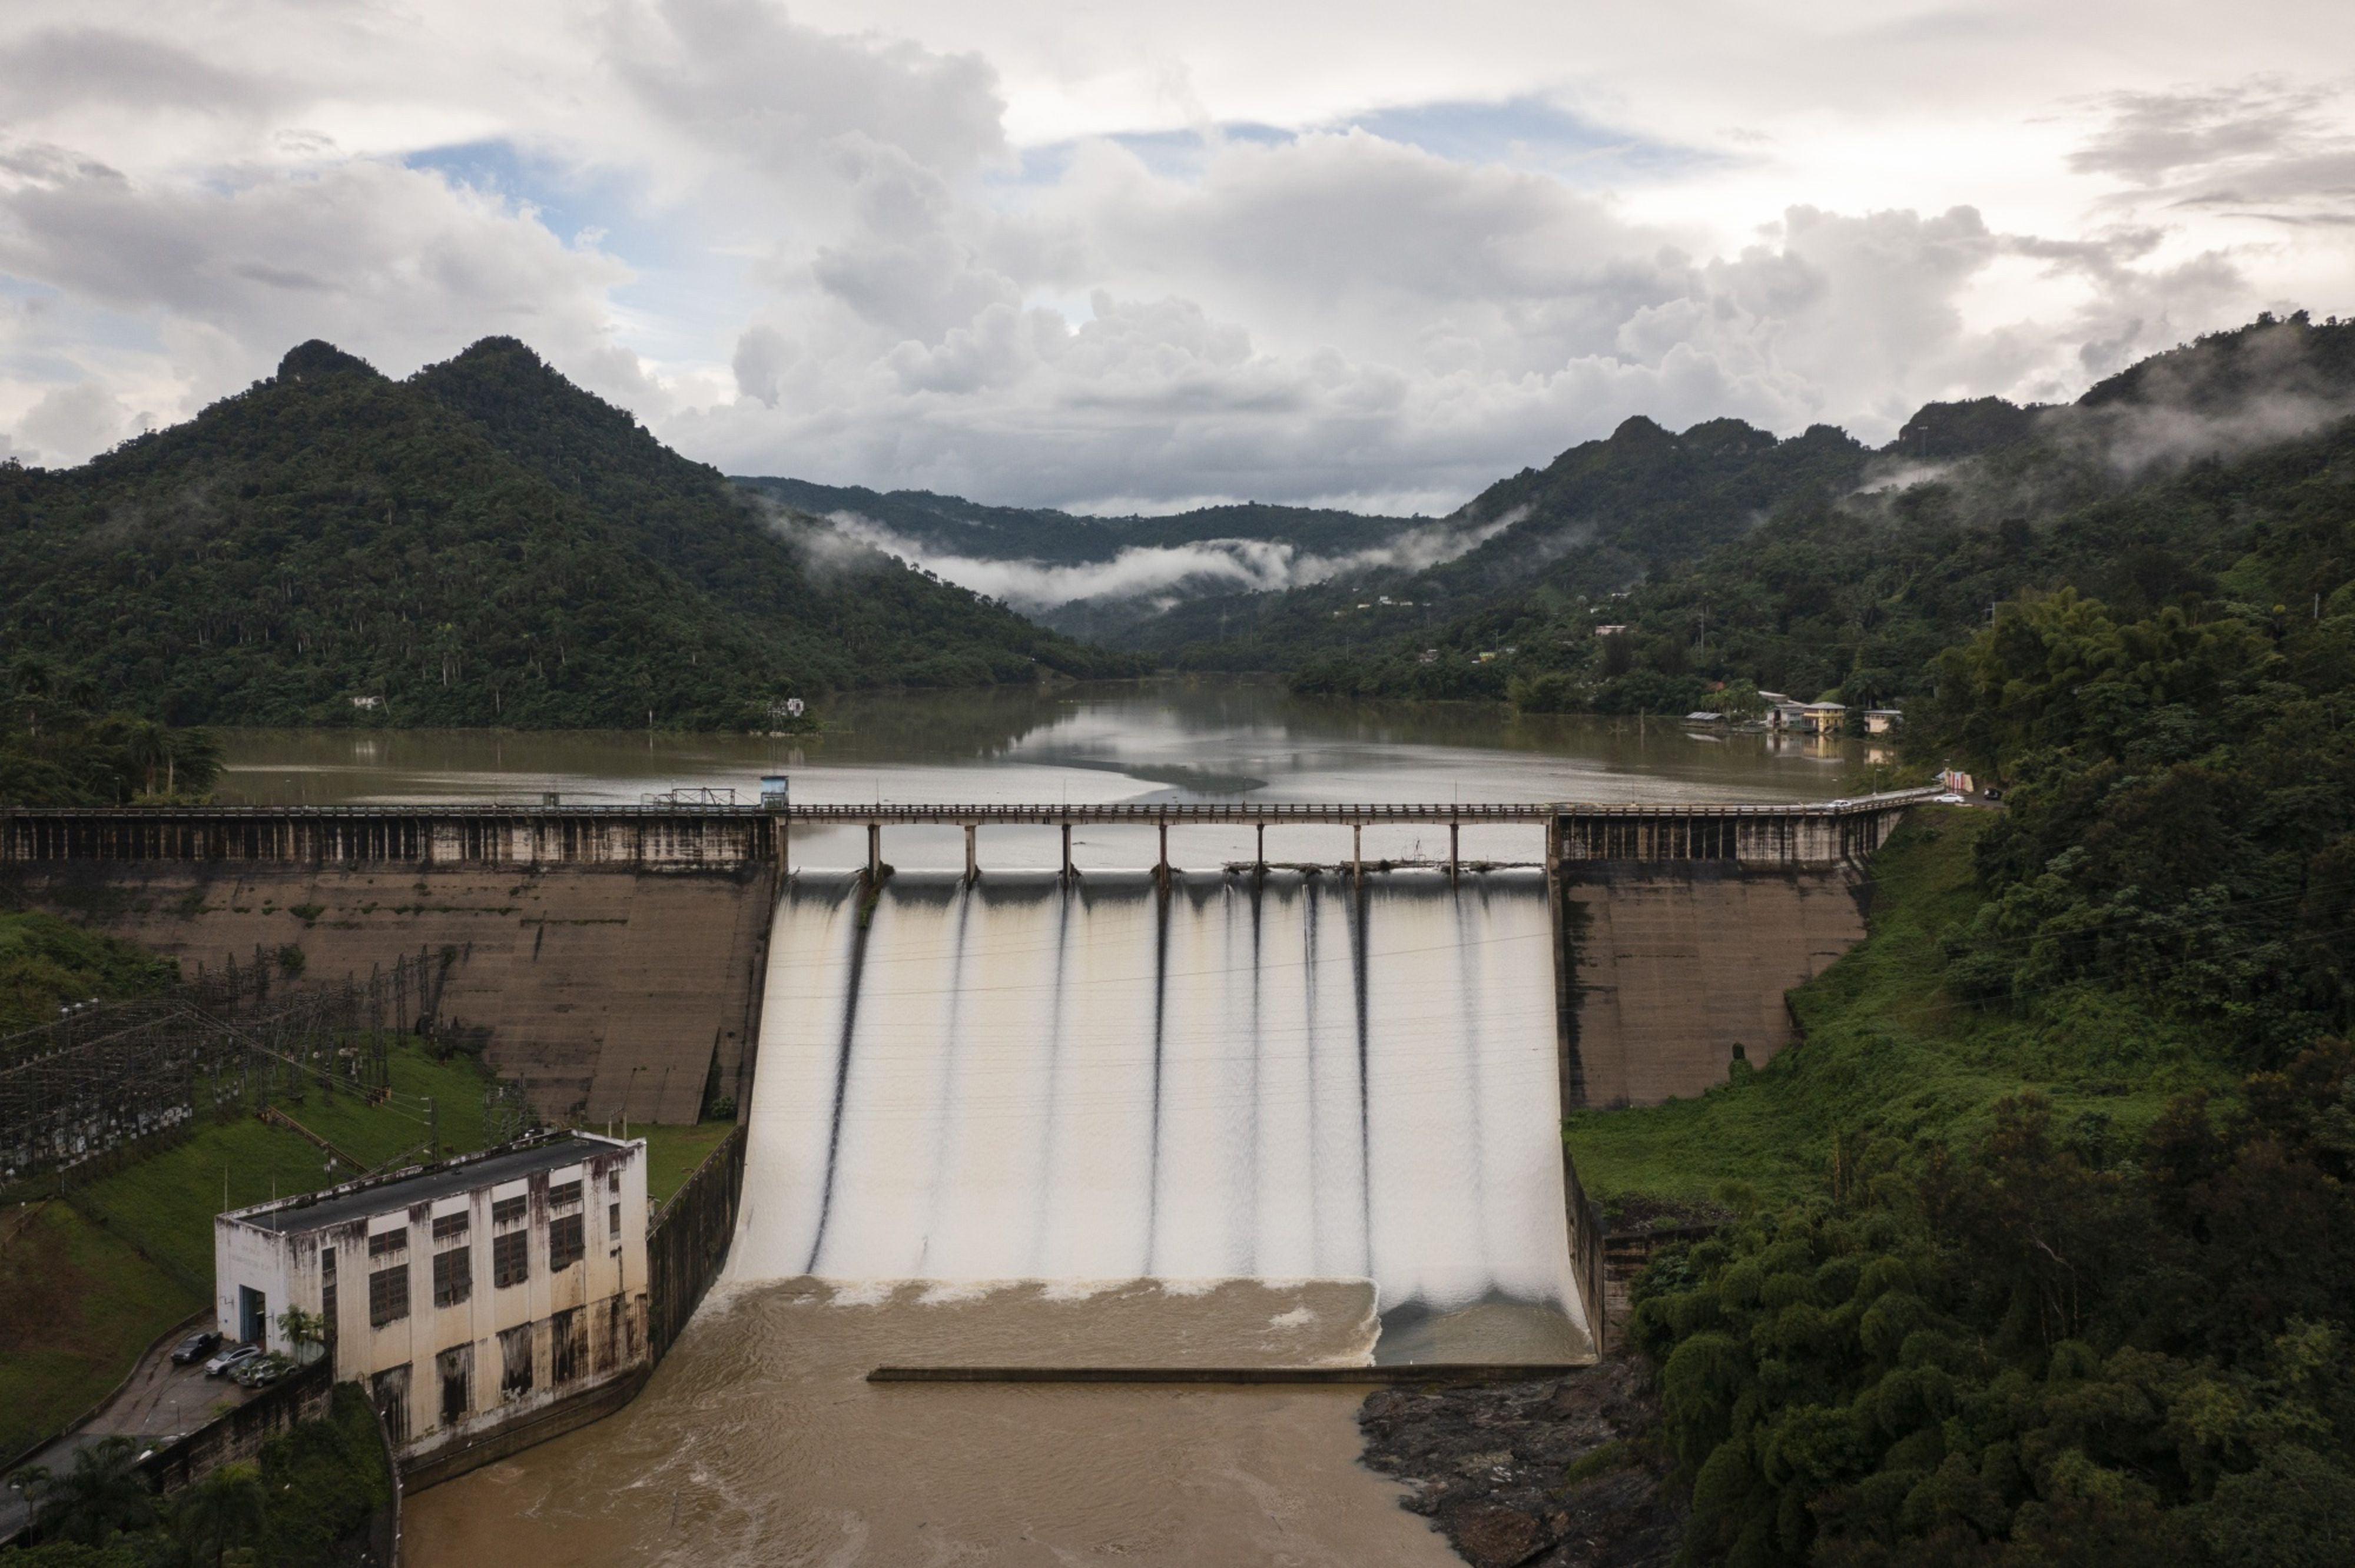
(338, 1205)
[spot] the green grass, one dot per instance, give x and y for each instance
(673, 1153)
(1887, 1053)
(46, 962)
(166, 1203)
(77, 1306)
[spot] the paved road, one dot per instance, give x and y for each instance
(160, 1403)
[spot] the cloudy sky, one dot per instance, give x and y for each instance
(1115, 256)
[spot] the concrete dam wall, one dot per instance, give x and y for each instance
(607, 992)
(611, 952)
(1670, 966)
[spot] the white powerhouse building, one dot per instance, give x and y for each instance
(469, 1298)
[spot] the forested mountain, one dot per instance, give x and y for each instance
(1812, 564)
(2159, 484)
(482, 543)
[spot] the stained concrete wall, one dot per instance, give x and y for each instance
(1673, 963)
(606, 990)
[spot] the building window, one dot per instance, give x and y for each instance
(613, 1221)
(567, 1331)
(453, 1276)
(457, 1368)
(451, 1227)
(385, 1242)
(507, 1211)
(388, 1295)
(561, 1192)
(612, 1180)
(565, 1243)
(510, 1258)
(327, 1294)
(515, 1362)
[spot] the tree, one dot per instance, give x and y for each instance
(104, 1494)
(221, 1513)
(303, 1330)
(149, 746)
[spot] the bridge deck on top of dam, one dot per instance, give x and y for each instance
(717, 837)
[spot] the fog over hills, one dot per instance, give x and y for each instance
(1270, 586)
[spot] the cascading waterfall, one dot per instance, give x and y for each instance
(1237, 1077)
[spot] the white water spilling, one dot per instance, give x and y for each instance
(1022, 1080)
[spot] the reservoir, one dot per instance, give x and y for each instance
(1175, 739)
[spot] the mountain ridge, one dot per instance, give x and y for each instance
(481, 543)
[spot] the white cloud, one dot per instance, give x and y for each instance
(71, 422)
(907, 244)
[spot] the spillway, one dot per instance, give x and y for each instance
(1239, 1078)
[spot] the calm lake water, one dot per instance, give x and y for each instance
(1174, 740)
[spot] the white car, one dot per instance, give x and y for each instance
(229, 1359)
(1948, 799)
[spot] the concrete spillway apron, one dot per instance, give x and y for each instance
(1424, 1372)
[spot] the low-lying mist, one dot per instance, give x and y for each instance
(1162, 575)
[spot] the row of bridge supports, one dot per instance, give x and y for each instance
(1161, 867)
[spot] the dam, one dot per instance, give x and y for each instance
(1346, 1066)
(610, 957)
(1182, 1084)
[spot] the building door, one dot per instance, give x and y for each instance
(252, 1314)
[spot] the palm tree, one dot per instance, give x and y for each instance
(103, 1493)
(149, 746)
(303, 1330)
(221, 1513)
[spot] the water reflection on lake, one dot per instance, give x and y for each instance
(1177, 739)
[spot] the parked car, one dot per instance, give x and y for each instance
(1992, 794)
(195, 1348)
(260, 1371)
(231, 1357)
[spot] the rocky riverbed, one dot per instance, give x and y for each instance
(1548, 1474)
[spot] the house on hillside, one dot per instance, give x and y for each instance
(498, 1290)
(1883, 721)
(1824, 718)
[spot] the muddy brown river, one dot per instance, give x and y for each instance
(759, 1442)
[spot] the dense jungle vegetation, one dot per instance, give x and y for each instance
(483, 544)
(2042, 1238)
(58, 749)
(303, 1502)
